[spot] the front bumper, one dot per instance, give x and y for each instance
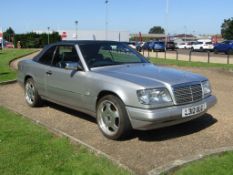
(144, 119)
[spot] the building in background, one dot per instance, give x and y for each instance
(146, 37)
(90, 35)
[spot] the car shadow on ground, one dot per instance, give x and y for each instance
(162, 134)
(175, 131)
(70, 111)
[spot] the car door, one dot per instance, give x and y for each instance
(227, 46)
(66, 86)
(223, 46)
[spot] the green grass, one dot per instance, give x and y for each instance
(163, 61)
(28, 149)
(6, 55)
(212, 165)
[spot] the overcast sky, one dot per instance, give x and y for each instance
(190, 16)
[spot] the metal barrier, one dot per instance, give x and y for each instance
(192, 56)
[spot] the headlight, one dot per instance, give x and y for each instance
(154, 96)
(206, 88)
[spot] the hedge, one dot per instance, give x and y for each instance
(34, 40)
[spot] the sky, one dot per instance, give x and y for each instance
(179, 16)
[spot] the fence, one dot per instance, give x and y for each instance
(189, 55)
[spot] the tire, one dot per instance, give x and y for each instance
(112, 118)
(31, 94)
(215, 51)
(230, 51)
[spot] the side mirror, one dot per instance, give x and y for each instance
(73, 66)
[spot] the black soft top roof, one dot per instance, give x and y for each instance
(71, 42)
(82, 42)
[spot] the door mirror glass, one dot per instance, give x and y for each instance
(73, 66)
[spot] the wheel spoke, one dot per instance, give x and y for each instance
(115, 115)
(108, 107)
(113, 126)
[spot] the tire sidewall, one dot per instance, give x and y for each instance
(37, 99)
(124, 123)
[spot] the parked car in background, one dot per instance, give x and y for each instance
(184, 45)
(157, 46)
(9, 45)
(202, 45)
(145, 46)
(115, 84)
(225, 47)
(170, 45)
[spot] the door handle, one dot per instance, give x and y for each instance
(49, 72)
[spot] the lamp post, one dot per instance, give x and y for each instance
(106, 20)
(185, 33)
(76, 30)
(166, 25)
(194, 34)
(48, 34)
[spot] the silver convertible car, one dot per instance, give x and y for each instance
(115, 84)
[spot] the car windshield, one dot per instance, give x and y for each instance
(109, 53)
(197, 43)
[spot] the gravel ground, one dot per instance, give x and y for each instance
(143, 150)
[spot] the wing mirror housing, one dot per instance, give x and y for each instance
(73, 66)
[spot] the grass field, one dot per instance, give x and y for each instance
(212, 165)
(163, 61)
(26, 148)
(6, 55)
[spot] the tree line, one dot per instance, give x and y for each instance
(31, 39)
(226, 29)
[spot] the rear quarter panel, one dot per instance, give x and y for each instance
(30, 68)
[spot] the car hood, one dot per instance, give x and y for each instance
(149, 75)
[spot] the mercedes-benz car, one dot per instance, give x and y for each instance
(115, 84)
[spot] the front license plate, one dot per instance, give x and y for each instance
(186, 112)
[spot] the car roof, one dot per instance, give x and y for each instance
(70, 42)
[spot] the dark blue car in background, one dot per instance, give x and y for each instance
(225, 47)
(157, 46)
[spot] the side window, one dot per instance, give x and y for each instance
(63, 55)
(47, 56)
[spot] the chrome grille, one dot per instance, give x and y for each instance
(187, 93)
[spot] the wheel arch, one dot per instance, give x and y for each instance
(26, 78)
(105, 93)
